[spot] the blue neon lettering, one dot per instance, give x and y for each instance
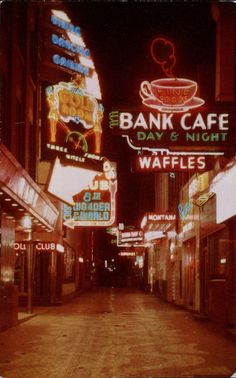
(62, 61)
(65, 25)
(56, 59)
(59, 41)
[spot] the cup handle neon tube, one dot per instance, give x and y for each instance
(145, 90)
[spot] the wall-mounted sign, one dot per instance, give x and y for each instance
(166, 163)
(185, 209)
(65, 51)
(224, 186)
(96, 204)
(128, 236)
(199, 188)
(158, 223)
(70, 41)
(127, 253)
(173, 117)
(187, 230)
(66, 179)
(74, 120)
(39, 246)
(149, 131)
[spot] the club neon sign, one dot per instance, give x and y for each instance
(39, 246)
(171, 118)
(95, 205)
(74, 118)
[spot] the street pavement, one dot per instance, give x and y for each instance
(112, 332)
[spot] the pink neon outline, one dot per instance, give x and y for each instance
(172, 56)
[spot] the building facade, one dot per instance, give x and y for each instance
(41, 261)
(194, 267)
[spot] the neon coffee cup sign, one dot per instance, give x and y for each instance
(173, 115)
(169, 94)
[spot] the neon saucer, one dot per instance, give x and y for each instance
(195, 102)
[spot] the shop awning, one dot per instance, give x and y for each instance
(155, 225)
(22, 195)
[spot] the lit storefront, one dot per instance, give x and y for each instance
(25, 210)
(45, 280)
(158, 228)
(219, 249)
(206, 245)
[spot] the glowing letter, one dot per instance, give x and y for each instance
(182, 121)
(223, 118)
(140, 122)
(144, 161)
(126, 121)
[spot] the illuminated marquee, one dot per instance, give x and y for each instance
(74, 119)
(95, 205)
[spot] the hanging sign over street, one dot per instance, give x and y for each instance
(96, 204)
(73, 121)
(65, 51)
(172, 116)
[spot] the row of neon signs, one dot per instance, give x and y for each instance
(170, 132)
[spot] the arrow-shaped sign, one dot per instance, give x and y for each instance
(68, 180)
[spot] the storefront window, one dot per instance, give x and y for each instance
(220, 250)
(69, 265)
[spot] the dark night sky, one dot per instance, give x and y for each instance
(119, 35)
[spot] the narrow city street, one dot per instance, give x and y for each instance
(111, 332)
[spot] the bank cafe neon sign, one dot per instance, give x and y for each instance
(174, 116)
